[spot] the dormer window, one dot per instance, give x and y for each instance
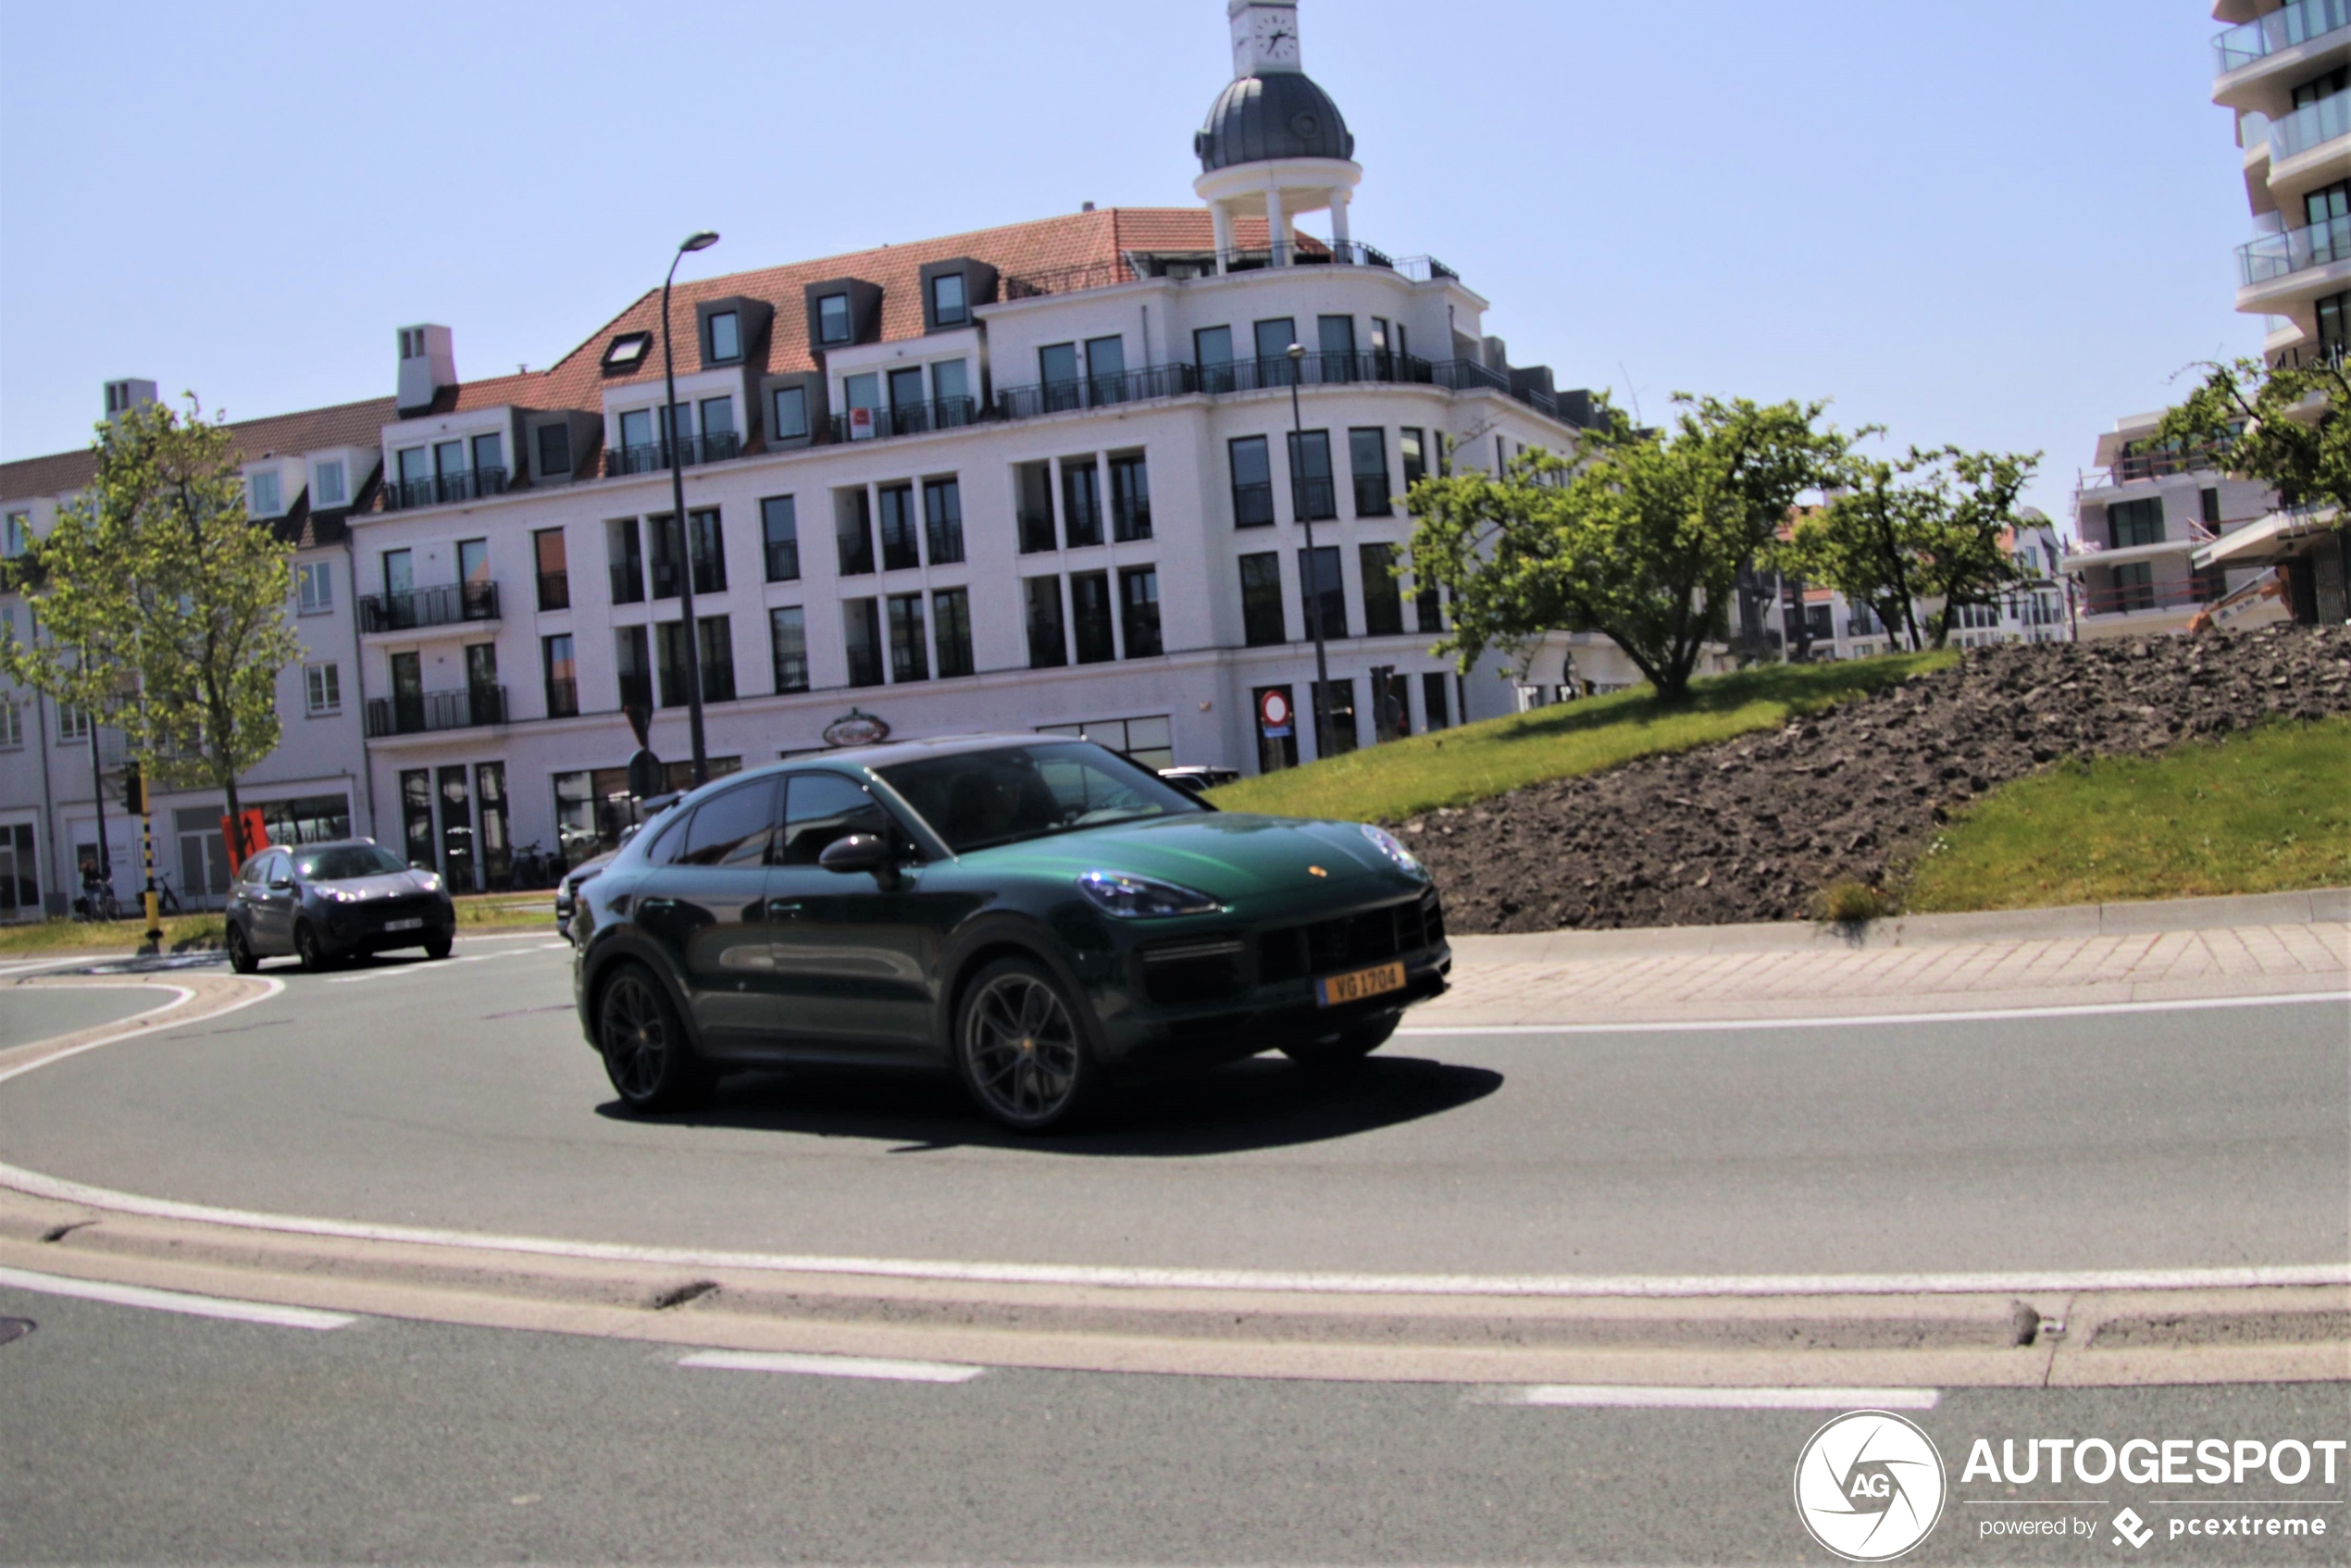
(263, 489)
(948, 305)
(326, 484)
(725, 335)
(628, 351)
(832, 318)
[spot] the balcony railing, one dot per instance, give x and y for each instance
(2279, 256)
(1316, 499)
(636, 690)
(446, 605)
(401, 495)
(1305, 250)
(2137, 465)
(2264, 36)
(627, 582)
(653, 456)
(2310, 357)
(1095, 391)
(2141, 598)
(1372, 497)
(415, 714)
(2310, 125)
(562, 697)
(554, 591)
(1252, 505)
(907, 419)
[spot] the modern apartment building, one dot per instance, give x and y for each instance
(1055, 476)
(2141, 518)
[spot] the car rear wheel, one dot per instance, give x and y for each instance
(1021, 1048)
(1343, 1046)
(241, 956)
(306, 949)
(651, 1065)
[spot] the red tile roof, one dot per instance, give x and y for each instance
(314, 430)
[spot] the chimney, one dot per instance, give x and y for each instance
(428, 363)
(124, 396)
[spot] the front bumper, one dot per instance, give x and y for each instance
(351, 929)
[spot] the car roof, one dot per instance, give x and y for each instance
(329, 844)
(892, 751)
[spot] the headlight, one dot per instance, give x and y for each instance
(338, 895)
(428, 881)
(1391, 846)
(1140, 898)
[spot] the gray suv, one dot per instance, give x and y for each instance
(322, 902)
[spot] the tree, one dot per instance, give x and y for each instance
(163, 606)
(1641, 537)
(2279, 424)
(1933, 524)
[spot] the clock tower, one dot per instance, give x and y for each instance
(1264, 37)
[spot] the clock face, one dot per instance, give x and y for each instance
(1276, 37)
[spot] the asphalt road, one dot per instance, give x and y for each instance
(27, 1014)
(460, 1094)
(142, 1436)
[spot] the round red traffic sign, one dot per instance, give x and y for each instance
(1273, 710)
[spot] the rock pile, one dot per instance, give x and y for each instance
(1754, 829)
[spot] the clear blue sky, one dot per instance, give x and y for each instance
(1999, 223)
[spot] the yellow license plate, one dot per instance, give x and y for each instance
(1339, 990)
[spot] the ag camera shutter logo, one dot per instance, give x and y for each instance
(1869, 1486)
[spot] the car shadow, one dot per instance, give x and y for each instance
(1260, 1103)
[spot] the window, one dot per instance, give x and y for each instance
(2135, 522)
(950, 385)
(1033, 499)
(1130, 499)
(1338, 702)
(1106, 367)
(1138, 610)
(734, 828)
(861, 636)
(947, 306)
(1428, 608)
(943, 517)
(322, 686)
(951, 613)
(635, 666)
(1081, 505)
(854, 530)
(554, 570)
(449, 463)
(73, 723)
(725, 336)
(1319, 581)
(717, 646)
(1367, 456)
(18, 536)
(555, 452)
(863, 391)
(791, 413)
(2208, 507)
(1335, 338)
(1089, 618)
(1253, 482)
(316, 583)
(900, 551)
(906, 397)
(1391, 707)
(1261, 601)
(490, 455)
(909, 645)
(1212, 352)
(1048, 648)
(627, 351)
(1383, 597)
(562, 673)
(1312, 497)
(1149, 742)
(717, 429)
(639, 454)
(779, 538)
(788, 632)
(1273, 338)
(623, 549)
(327, 485)
(832, 318)
(1057, 366)
(822, 807)
(263, 490)
(2334, 323)
(2135, 585)
(1435, 714)
(1409, 442)
(669, 638)
(12, 733)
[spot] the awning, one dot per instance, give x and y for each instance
(2126, 554)
(2274, 538)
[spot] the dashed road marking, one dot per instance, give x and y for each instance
(173, 1301)
(834, 1366)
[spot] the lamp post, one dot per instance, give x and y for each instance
(1313, 564)
(700, 240)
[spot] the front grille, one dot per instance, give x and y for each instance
(1370, 935)
(1202, 969)
(374, 913)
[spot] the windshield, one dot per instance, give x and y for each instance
(343, 862)
(979, 799)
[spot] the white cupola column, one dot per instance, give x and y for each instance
(1277, 225)
(1338, 224)
(1220, 221)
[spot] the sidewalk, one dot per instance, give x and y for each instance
(2096, 954)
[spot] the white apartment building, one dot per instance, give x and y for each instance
(1057, 476)
(2141, 518)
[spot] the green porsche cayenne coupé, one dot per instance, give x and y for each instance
(1037, 915)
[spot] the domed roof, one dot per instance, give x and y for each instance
(1279, 115)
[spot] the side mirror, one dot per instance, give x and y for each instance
(857, 852)
(280, 884)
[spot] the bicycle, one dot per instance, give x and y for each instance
(166, 902)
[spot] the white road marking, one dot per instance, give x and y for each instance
(173, 1301)
(834, 1366)
(428, 966)
(130, 1026)
(1619, 1396)
(1861, 1020)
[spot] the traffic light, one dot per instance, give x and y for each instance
(134, 799)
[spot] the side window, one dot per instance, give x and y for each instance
(276, 867)
(735, 829)
(822, 807)
(669, 845)
(257, 869)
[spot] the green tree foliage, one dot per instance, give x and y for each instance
(2279, 425)
(1933, 524)
(1641, 537)
(161, 605)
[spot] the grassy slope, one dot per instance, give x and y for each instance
(1455, 767)
(2268, 812)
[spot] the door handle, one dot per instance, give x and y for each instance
(783, 909)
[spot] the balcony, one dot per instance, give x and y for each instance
(406, 496)
(1252, 505)
(562, 697)
(554, 591)
(1095, 391)
(2264, 36)
(2137, 467)
(1305, 250)
(2147, 598)
(653, 457)
(1372, 496)
(908, 419)
(2310, 126)
(2281, 256)
(424, 712)
(449, 605)
(1314, 500)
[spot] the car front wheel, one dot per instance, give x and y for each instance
(1021, 1048)
(308, 950)
(651, 1065)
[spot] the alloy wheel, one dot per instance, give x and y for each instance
(635, 1031)
(1021, 1046)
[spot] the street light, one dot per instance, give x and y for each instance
(699, 240)
(1313, 572)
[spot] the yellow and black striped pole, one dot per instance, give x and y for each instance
(147, 849)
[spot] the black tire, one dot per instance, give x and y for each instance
(647, 1056)
(1343, 1047)
(1021, 1046)
(241, 956)
(307, 950)
(438, 947)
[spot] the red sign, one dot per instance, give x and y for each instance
(860, 424)
(256, 837)
(1273, 714)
